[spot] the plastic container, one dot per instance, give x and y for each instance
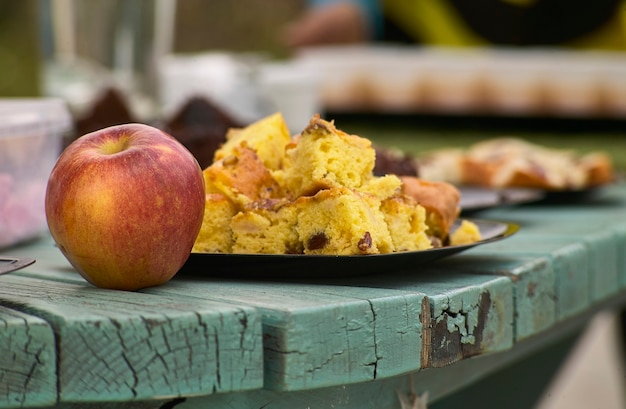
(31, 133)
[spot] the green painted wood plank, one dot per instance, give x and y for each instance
(382, 328)
(386, 393)
(115, 345)
(467, 314)
(533, 286)
(570, 262)
(619, 230)
(603, 258)
(317, 335)
(592, 226)
(27, 360)
(464, 316)
(146, 404)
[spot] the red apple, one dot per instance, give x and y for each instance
(125, 204)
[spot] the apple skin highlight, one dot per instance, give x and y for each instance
(124, 205)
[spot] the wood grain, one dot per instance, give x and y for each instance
(115, 345)
(27, 360)
(316, 335)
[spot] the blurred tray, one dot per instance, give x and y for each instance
(10, 264)
(475, 198)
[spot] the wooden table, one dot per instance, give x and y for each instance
(355, 342)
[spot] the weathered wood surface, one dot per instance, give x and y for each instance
(318, 335)
(531, 298)
(598, 223)
(27, 360)
(570, 264)
(117, 346)
(218, 337)
(619, 230)
(431, 384)
(466, 315)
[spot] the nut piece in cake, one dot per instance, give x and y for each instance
(325, 157)
(267, 227)
(215, 234)
(342, 221)
(267, 137)
(242, 177)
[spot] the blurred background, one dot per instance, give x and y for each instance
(145, 59)
(158, 53)
(197, 67)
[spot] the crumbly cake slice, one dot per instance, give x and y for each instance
(267, 137)
(266, 227)
(242, 177)
(215, 234)
(382, 186)
(324, 157)
(342, 221)
(406, 221)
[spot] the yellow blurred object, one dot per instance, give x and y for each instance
(19, 49)
(466, 233)
(515, 22)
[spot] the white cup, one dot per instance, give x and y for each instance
(293, 90)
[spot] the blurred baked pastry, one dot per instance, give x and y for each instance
(201, 126)
(110, 107)
(599, 168)
(391, 161)
(513, 162)
(441, 165)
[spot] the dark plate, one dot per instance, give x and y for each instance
(9, 264)
(572, 196)
(318, 266)
(474, 198)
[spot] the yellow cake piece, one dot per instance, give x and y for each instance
(325, 157)
(215, 234)
(382, 186)
(267, 137)
(242, 177)
(467, 233)
(318, 196)
(406, 221)
(266, 227)
(342, 221)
